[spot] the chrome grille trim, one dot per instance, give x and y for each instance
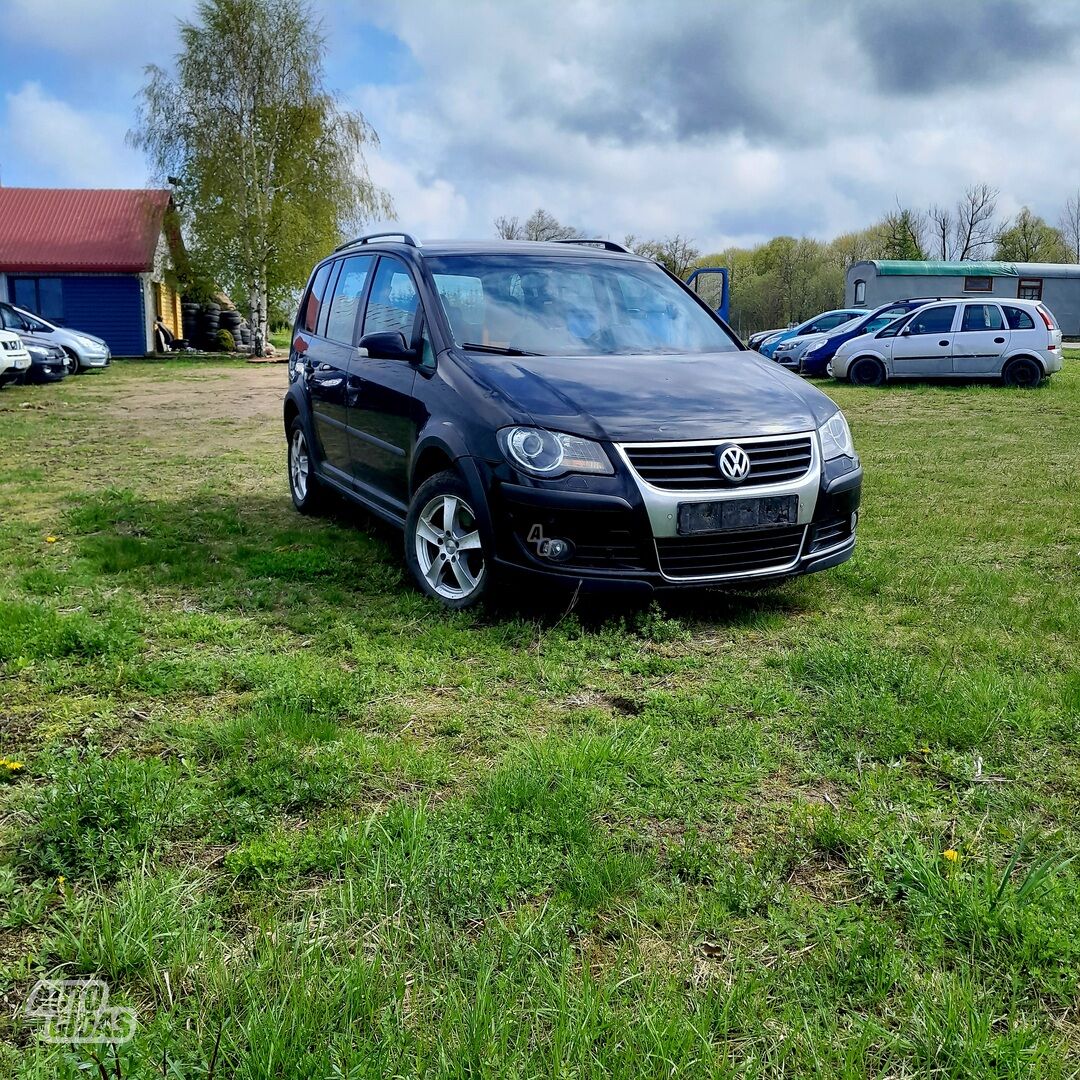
(691, 466)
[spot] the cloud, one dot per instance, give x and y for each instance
(916, 51)
(48, 140)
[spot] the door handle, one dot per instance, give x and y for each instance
(999, 341)
(943, 342)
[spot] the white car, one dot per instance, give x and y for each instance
(14, 359)
(83, 350)
(1018, 341)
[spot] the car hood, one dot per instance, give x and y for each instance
(858, 341)
(41, 342)
(655, 397)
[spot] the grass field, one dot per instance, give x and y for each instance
(308, 825)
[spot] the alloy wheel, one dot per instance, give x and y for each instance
(299, 465)
(448, 547)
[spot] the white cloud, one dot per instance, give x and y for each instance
(46, 137)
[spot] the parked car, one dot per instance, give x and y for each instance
(572, 413)
(1018, 341)
(82, 350)
(48, 362)
(14, 359)
(816, 356)
(755, 341)
(827, 320)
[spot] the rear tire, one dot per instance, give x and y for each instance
(444, 547)
(307, 493)
(867, 371)
(1023, 372)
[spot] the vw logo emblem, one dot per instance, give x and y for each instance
(733, 462)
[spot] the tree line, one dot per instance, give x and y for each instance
(788, 278)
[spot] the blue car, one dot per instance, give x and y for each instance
(815, 360)
(819, 324)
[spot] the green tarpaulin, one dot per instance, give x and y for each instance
(918, 268)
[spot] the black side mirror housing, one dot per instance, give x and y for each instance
(388, 345)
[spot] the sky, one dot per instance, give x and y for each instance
(727, 122)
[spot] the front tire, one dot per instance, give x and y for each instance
(1023, 372)
(867, 371)
(307, 493)
(71, 363)
(444, 548)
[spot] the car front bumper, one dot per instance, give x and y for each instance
(94, 360)
(618, 535)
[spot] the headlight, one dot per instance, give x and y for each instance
(550, 453)
(836, 438)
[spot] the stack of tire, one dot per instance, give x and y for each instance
(245, 335)
(231, 320)
(209, 324)
(189, 314)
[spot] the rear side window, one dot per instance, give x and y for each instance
(982, 317)
(1018, 318)
(393, 301)
(345, 305)
(937, 320)
(314, 298)
(829, 322)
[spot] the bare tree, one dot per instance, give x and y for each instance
(540, 225)
(509, 228)
(975, 229)
(1070, 226)
(939, 231)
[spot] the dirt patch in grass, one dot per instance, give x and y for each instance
(243, 394)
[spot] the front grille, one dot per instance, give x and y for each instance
(737, 552)
(830, 533)
(692, 466)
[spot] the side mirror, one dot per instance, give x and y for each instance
(906, 331)
(388, 345)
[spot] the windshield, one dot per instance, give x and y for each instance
(571, 306)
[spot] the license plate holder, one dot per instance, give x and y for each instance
(726, 515)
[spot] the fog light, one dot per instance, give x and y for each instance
(556, 550)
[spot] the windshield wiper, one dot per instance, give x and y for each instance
(502, 350)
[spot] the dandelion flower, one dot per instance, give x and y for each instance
(951, 854)
(50, 539)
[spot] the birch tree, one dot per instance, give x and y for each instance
(268, 167)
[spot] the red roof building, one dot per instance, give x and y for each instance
(91, 259)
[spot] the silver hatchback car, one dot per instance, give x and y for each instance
(1018, 341)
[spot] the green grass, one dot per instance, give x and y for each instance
(287, 807)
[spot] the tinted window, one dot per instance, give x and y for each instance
(982, 317)
(345, 304)
(978, 284)
(1029, 289)
(936, 320)
(1018, 318)
(831, 321)
(879, 322)
(393, 301)
(860, 291)
(313, 302)
(10, 319)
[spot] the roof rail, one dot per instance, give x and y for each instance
(607, 245)
(368, 237)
